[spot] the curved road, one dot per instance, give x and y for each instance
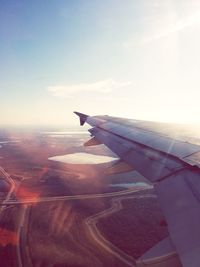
(91, 224)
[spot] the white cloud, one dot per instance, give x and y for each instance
(176, 26)
(162, 25)
(104, 86)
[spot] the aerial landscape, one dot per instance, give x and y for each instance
(99, 133)
(71, 214)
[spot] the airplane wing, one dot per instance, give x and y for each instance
(162, 154)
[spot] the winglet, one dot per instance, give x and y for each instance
(83, 117)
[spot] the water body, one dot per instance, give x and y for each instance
(65, 133)
(60, 136)
(7, 142)
(128, 185)
(83, 158)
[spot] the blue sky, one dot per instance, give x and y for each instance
(132, 58)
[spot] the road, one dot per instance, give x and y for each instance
(4, 207)
(20, 233)
(23, 216)
(12, 187)
(90, 221)
(91, 224)
(74, 197)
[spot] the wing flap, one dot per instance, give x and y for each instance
(162, 254)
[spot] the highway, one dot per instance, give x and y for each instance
(12, 187)
(74, 197)
(8, 201)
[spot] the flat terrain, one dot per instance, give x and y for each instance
(58, 214)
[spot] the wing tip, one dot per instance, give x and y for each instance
(82, 117)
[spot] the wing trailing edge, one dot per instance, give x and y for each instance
(119, 167)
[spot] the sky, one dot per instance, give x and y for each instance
(128, 58)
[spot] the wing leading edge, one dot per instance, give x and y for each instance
(171, 164)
